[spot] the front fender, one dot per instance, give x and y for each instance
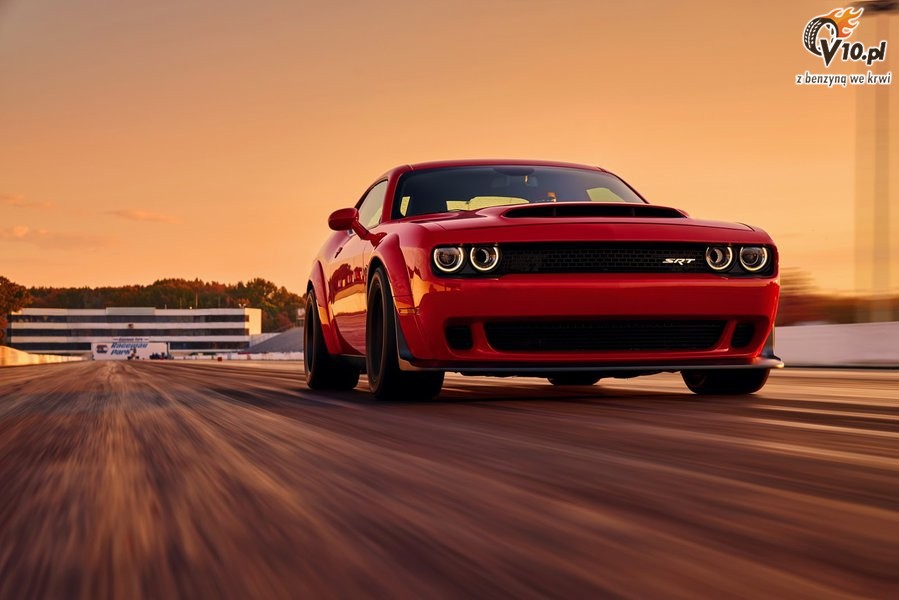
(389, 253)
(404, 264)
(329, 330)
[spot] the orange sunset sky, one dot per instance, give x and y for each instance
(211, 139)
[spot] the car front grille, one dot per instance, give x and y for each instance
(603, 335)
(592, 257)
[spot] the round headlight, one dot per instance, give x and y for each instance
(753, 258)
(448, 259)
(719, 258)
(484, 258)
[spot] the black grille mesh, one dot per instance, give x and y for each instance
(603, 258)
(602, 335)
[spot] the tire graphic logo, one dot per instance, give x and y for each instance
(837, 24)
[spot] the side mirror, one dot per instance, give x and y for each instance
(343, 219)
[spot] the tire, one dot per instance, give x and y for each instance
(324, 371)
(727, 382)
(385, 379)
(810, 37)
(574, 379)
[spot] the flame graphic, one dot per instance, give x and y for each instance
(846, 20)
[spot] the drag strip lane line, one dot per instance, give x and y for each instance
(828, 428)
(834, 413)
(867, 460)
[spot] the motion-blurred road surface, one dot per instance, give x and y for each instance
(161, 480)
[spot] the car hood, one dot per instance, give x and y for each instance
(567, 215)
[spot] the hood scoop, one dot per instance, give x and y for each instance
(591, 210)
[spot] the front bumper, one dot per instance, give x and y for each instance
(422, 320)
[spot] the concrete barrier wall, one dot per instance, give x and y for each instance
(10, 357)
(862, 344)
(859, 344)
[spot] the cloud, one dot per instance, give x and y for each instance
(19, 201)
(52, 240)
(142, 215)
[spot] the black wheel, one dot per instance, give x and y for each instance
(385, 379)
(324, 371)
(810, 37)
(574, 379)
(726, 381)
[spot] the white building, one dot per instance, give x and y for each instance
(74, 331)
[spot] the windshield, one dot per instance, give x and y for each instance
(472, 188)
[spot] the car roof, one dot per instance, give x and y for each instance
(478, 162)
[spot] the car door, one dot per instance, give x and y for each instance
(348, 297)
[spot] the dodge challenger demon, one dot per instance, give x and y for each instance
(534, 268)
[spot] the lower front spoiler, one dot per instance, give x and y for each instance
(767, 360)
(541, 370)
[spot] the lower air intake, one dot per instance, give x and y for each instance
(603, 335)
(743, 334)
(459, 337)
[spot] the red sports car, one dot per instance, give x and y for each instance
(534, 268)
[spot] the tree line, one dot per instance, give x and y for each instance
(279, 306)
(13, 297)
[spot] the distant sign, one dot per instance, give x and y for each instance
(125, 346)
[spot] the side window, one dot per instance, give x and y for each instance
(372, 205)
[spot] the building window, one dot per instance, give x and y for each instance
(20, 333)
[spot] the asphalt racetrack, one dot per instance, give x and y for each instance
(209, 480)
